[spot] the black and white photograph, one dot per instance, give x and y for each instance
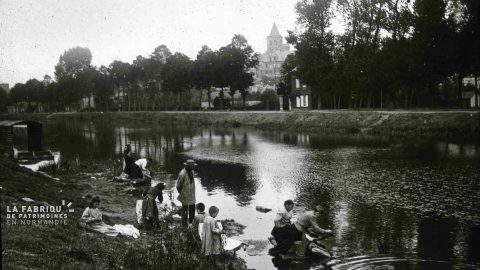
(240, 134)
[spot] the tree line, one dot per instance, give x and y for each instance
(392, 53)
(162, 81)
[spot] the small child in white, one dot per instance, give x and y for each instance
(211, 240)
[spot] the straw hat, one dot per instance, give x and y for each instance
(190, 163)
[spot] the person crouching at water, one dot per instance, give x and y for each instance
(92, 215)
(281, 230)
(130, 167)
(149, 206)
(211, 240)
(145, 164)
(305, 223)
(186, 190)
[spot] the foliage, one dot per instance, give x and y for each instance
(163, 80)
(3, 100)
(391, 52)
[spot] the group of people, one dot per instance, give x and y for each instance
(207, 229)
(204, 226)
(285, 232)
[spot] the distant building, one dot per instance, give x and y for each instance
(301, 94)
(270, 62)
(298, 96)
(468, 94)
(6, 87)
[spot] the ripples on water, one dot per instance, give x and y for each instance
(381, 196)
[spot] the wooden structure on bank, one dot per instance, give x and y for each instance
(12, 133)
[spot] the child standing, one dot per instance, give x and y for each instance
(211, 240)
(198, 220)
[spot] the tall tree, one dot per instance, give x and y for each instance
(203, 71)
(71, 74)
(431, 39)
(72, 62)
(177, 75)
(234, 68)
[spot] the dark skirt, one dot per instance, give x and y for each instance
(149, 209)
(131, 168)
(285, 238)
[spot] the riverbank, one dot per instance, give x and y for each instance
(457, 125)
(70, 246)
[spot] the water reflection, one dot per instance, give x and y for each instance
(381, 196)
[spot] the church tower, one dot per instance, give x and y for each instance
(274, 40)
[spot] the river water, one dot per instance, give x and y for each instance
(392, 204)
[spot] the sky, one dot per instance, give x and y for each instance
(34, 33)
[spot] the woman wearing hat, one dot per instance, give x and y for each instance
(186, 190)
(149, 206)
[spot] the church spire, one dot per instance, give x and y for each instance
(274, 32)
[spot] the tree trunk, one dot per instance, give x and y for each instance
(190, 99)
(244, 97)
(395, 23)
(180, 101)
(381, 98)
(460, 89)
(208, 93)
(369, 101)
(129, 99)
(476, 91)
(221, 100)
(201, 96)
(430, 94)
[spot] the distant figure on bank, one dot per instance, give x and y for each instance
(281, 229)
(211, 240)
(186, 190)
(198, 220)
(149, 206)
(306, 223)
(92, 215)
(130, 167)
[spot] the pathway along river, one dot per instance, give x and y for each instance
(392, 204)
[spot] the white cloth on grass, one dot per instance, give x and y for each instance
(127, 230)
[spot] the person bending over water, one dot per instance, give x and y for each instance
(130, 167)
(149, 206)
(306, 223)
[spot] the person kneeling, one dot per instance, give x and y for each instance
(281, 230)
(306, 223)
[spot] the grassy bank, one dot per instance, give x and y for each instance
(73, 247)
(462, 125)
